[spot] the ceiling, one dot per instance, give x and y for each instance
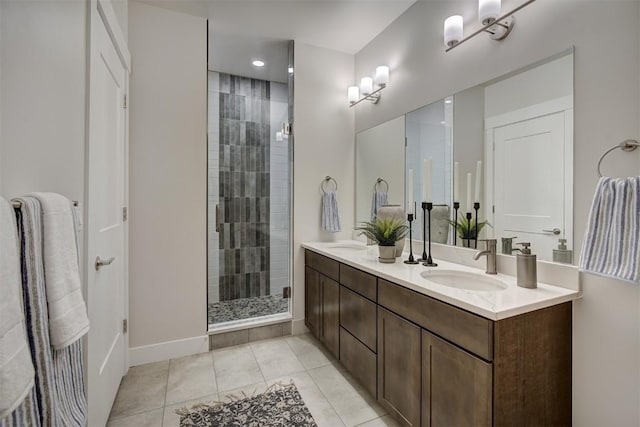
(244, 29)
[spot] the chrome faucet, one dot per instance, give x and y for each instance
(490, 252)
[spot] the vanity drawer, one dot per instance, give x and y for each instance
(358, 316)
(359, 361)
(363, 283)
(469, 331)
(322, 264)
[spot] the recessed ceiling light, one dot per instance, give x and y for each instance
(448, 101)
(257, 63)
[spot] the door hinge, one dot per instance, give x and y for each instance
(493, 209)
(125, 214)
(124, 102)
(125, 326)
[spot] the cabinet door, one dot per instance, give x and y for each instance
(399, 365)
(312, 300)
(330, 320)
(456, 386)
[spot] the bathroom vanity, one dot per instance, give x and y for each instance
(442, 355)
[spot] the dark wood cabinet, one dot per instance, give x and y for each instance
(359, 360)
(330, 314)
(430, 363)
(399, 365)
(456, 386)
(358, 316)
(312, 300)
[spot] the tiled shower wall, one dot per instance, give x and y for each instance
(251, 169)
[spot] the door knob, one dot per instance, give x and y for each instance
(103, 262)
(555, 231)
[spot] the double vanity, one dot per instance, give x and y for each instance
(442, 346)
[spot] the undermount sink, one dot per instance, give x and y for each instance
(350, 246)
(464, 280)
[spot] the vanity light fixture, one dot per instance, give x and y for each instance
(498, 26)
(370, 87)
(257, 62)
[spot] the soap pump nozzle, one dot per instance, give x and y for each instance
(525, 248)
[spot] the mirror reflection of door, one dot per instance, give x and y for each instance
(529, 153)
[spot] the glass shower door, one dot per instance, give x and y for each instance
(249, 199)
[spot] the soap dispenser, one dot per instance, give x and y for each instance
(562, 254)
(526, 269)
(507, 245)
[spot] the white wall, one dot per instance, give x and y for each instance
(168, 176)
(606, 345)
(43, 67)
(379, 154)
(323, 145)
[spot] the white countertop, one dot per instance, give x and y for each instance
(494, 305)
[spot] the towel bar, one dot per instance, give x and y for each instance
(17, 204)
(381, 181)
(325, 181)
(627, 146)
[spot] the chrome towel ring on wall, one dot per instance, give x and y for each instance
(326, 181)
(381, 181)
(627, 145)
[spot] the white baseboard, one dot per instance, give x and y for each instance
(298, 327)
(168, 350)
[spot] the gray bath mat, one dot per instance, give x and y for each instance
(280, 405)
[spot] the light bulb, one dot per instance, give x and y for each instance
(453, 30)
(353, 94)
(488, 11)
(382, 75)
(366, 85)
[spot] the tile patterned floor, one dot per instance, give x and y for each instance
(247, 308)
(150, 394)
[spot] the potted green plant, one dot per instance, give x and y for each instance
(466, 228)
(385, 232)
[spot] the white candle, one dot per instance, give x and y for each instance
(468, 207)
(410, 204)
(428, 172)
(456, 184)
(478, 181)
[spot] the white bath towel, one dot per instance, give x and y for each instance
(379, 200)
(330, 216)
(68, 319)
(611, 245)
(16, 367)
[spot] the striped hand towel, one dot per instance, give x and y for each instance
(330, 216)
(16, 368)
(59, 394)
(611, 245)
(379, 200)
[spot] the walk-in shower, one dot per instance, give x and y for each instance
(249, 182)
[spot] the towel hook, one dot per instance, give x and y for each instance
(327, 179)
(626, 146)
(381, 181)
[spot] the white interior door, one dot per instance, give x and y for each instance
(107, 344)
(529, 182)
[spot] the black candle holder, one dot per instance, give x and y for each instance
(429, 262)
(410, 260)
(476, 207)
(424, 232)
(468, 237)
(456, 206)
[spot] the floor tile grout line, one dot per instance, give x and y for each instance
(255, 358)
(215, 373)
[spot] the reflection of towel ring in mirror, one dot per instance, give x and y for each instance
(327, 180)
(627, 146)
(381, 181)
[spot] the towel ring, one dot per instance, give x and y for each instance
(381, 181)
(327, 180)
(627, 146)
